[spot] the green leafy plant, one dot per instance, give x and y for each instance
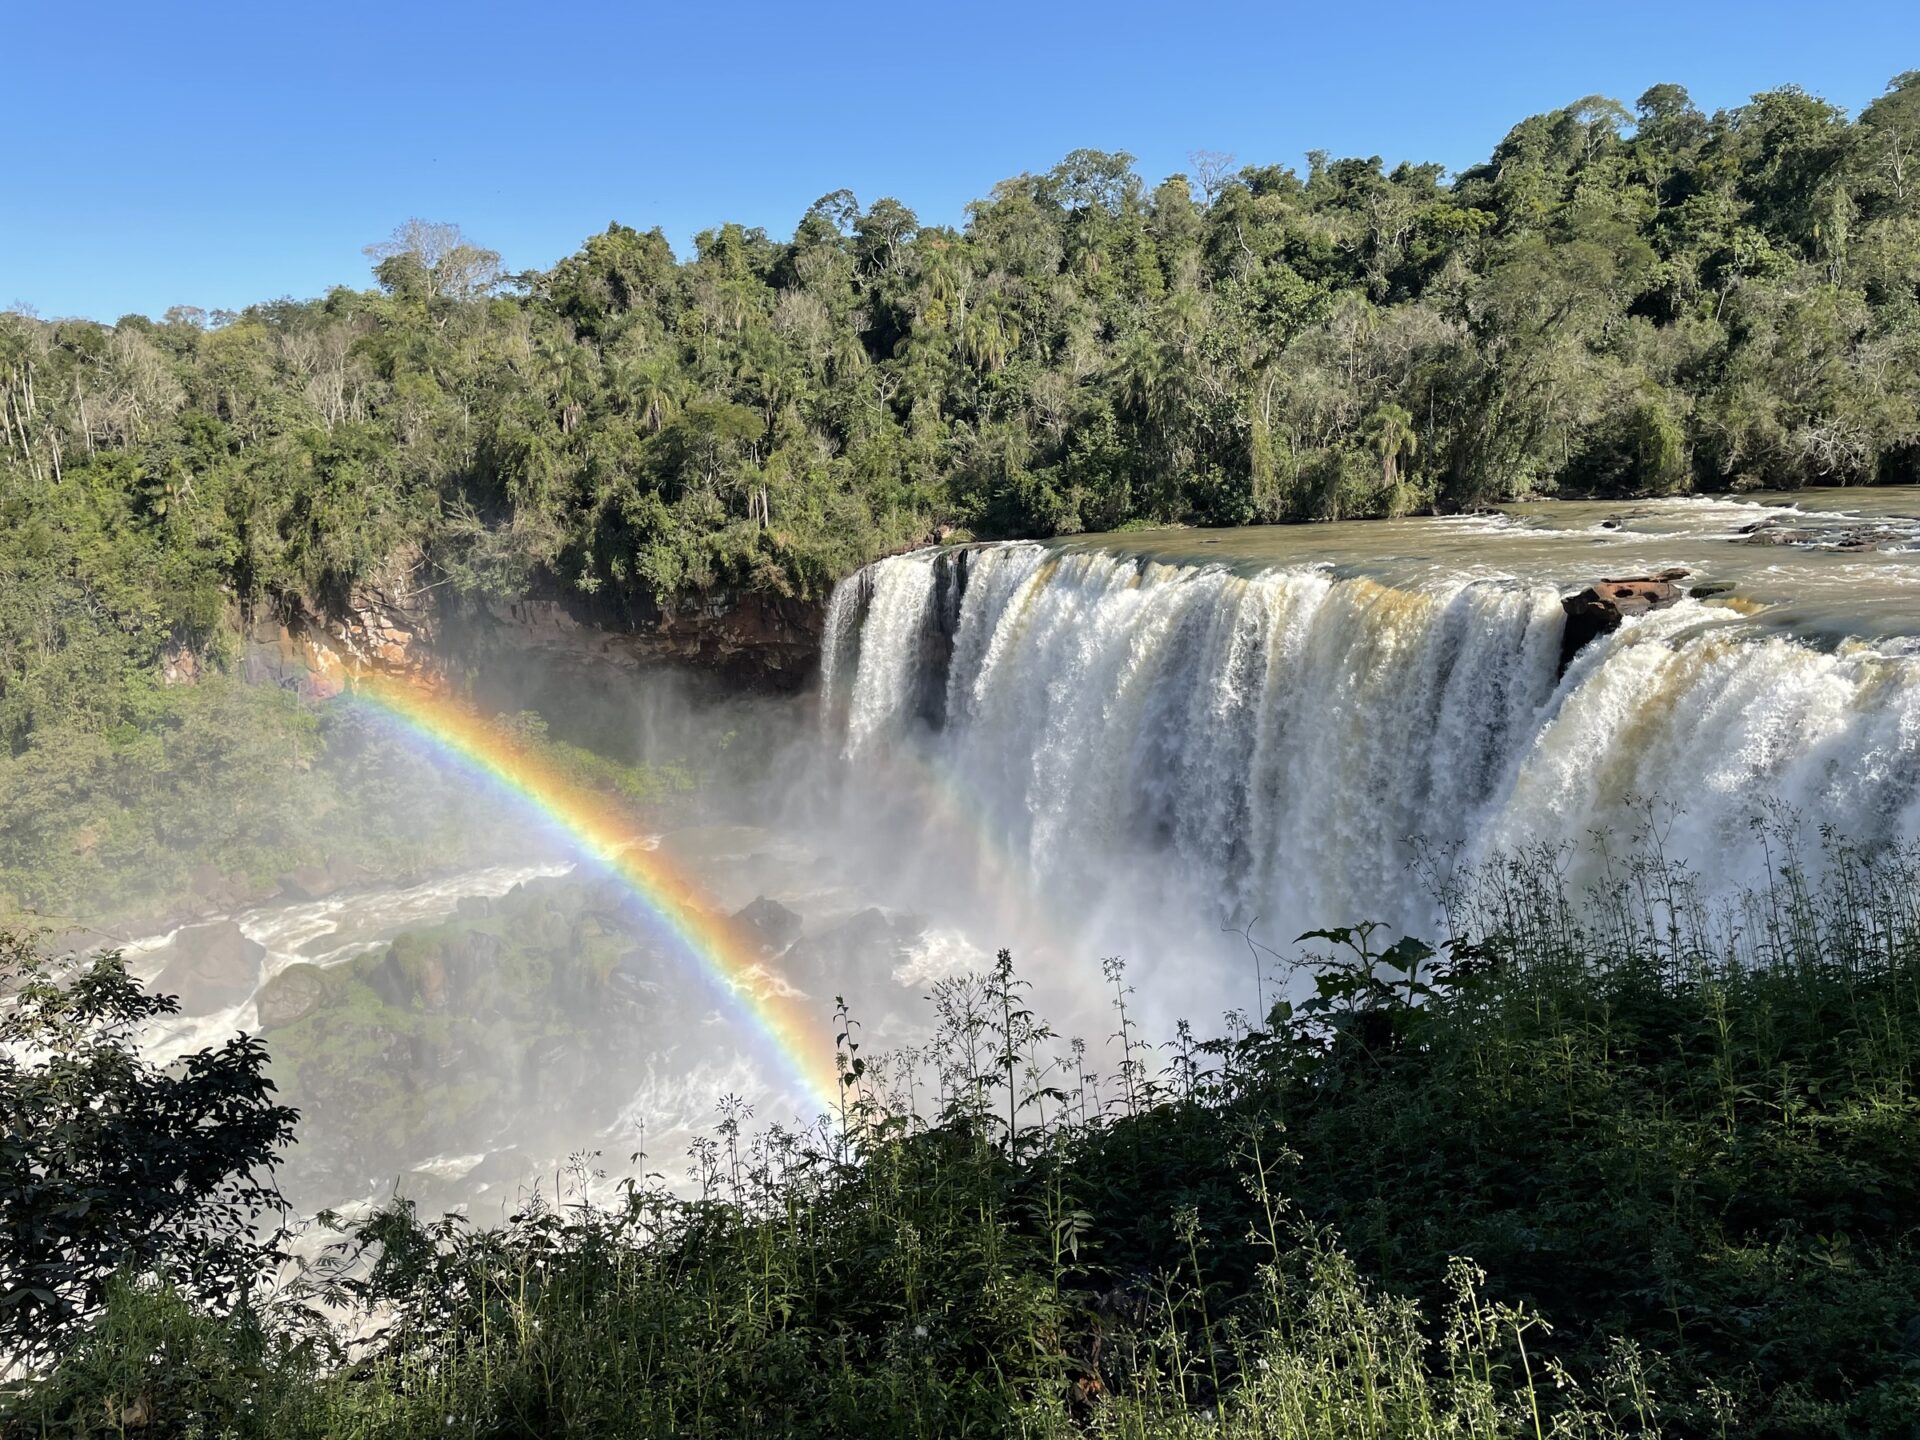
(111, 1165)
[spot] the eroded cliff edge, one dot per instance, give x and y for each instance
(402, 620)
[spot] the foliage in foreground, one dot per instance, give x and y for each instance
(110, 1162)
(1683, 1144)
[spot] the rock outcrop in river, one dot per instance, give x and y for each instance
(210, 967)
(1599, 609)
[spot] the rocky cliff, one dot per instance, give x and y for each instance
(402, 620)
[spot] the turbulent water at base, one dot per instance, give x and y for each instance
(1136, 723)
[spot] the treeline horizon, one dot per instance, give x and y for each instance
(1616, 303)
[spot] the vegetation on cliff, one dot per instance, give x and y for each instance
(1681, 1148)
(210, 797)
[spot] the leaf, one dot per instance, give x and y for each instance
(1406, 954)
(1342, 936)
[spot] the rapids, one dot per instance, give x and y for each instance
(322, 933)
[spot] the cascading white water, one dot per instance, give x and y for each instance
(884, 684)
(840, 641)
(1277, 743)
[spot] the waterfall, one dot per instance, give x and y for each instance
(1286, 742)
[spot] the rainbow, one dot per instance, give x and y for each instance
(603, 833)
(941, 802)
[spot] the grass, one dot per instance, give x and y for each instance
(1679, 1142)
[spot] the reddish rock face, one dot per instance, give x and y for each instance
(393, 626)
(1599, 609)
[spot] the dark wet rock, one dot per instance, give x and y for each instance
(770, 923)
(210, 967)
(659, 980)
(1599, 609)
(472, 907)
(634, 979)
(554, 1069)
(1709, 590)
(1873, 538)
(556, 892)
(863, 948)
(473, 959)
(412, 973)
(748, 639)
(476, 950)
(1808, 532)
(292, 995)
(220, 891)
(590, 892)
(386, 982)
(399, 620)
(1776, 532)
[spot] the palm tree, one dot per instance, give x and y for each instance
(990, 334)
(1390, 435)
(648, 386)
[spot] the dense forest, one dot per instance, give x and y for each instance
(1614, 303)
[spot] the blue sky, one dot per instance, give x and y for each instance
(215, 154)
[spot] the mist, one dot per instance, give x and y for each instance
(1141, 776)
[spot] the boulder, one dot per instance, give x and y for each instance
(292, 995)
(863, 948)
(413, 972)
(221, 891)
(308, 882)
(1817, 534)
(317, 882)
(769, 923)
(210, 967)
(1599, 609)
